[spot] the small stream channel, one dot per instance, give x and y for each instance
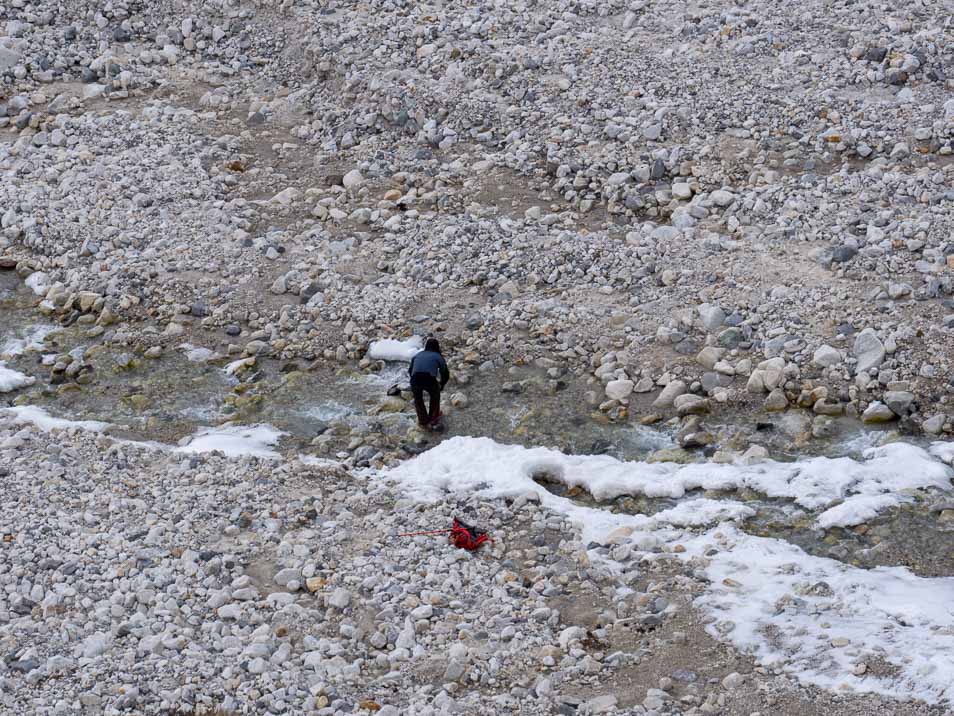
(335, 412)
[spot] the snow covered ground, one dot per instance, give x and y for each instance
(11, 380)
(820, 619)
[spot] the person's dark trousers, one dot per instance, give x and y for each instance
(425, 383)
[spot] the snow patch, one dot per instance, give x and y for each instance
(818, 618)
(390, 349)
(234, 440)
(237, 365)
(32, 340)
(11, 380)
(858, 509)
(696, 513)
(814, 483)
(943, 451)
(38, 282)
(32, 415)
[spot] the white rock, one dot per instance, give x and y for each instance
(619, 389)
(340, 598)
(825, 357)
(352, 179)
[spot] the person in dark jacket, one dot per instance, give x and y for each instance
(429, 374)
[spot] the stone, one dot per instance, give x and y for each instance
(673, 390)
(868, 350)
(755, 454)
(900, 402)
(825, 357)
(712, 317)
(776, 401)
(688, 404)
(352, 179)
(8, 58)
(285, 576)
(600, 704)
(682, 190)
(878, 412)
(722, 198)
(709, 356)
(935, 424)
(619, 389)
(340, 598)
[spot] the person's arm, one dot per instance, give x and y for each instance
(445, 374)
(410, 367)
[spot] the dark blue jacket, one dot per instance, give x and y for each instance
(430, 363)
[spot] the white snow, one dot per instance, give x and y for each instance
(394, 350)
(471, 463)
(811, 603)
(816, 618)
(237, 365)
(858, 509)
(943, 451)
(32, 340)
(234, 440)
(32, 415)
(694, 513)
(11, 380)
(489, 469)
(38, 282)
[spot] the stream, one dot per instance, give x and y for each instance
(337, 413)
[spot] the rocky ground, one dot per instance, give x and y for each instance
(665, 210)
(137, 580)
(588, 185)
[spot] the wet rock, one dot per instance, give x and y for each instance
(776, 401)
(878, 412)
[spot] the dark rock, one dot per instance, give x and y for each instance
(731, 337)
(896, 77)
(843, 254)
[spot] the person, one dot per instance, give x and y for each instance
(429, 374)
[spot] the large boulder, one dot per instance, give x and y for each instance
(901, 402)
(669, 394)
(826, 356)
(868, 350)
(619, 389)
(878, 412)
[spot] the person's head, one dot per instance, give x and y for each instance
(431, 344)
